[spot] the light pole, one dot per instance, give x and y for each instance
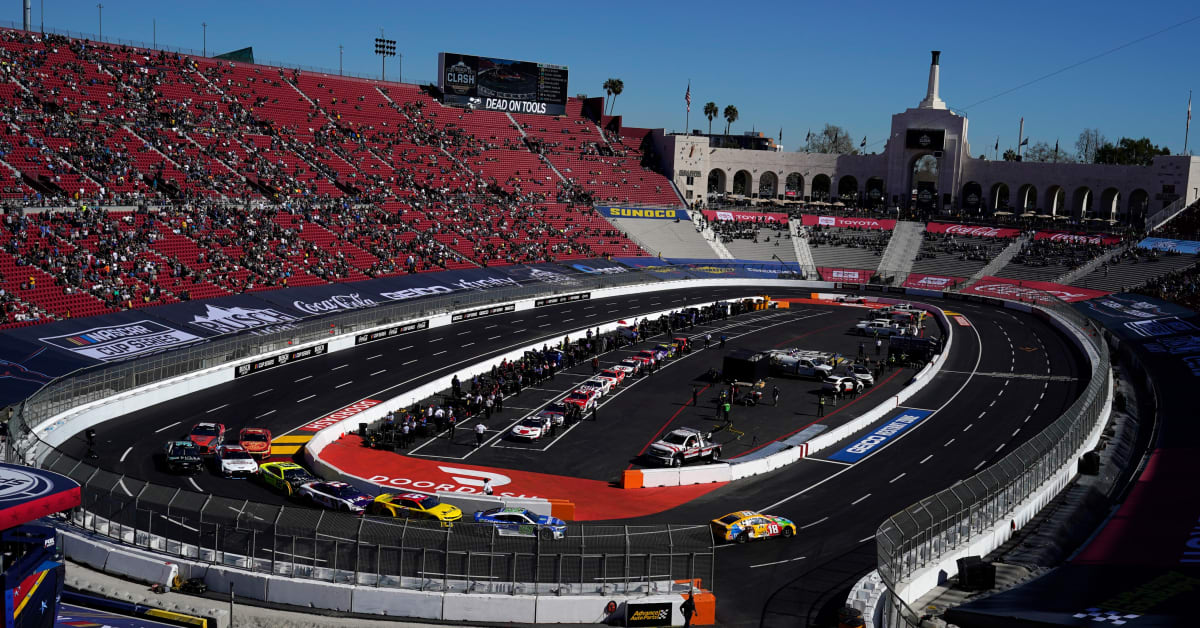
(384, 48)
(340, 48)
(204, 49)
(100, 9)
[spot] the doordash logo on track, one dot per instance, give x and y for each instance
(463, 481)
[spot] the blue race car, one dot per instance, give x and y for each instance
(522, 522)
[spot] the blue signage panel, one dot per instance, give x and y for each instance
(865, 445)
(1190, 247)
(656, 213)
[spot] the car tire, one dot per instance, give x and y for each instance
(787, 533)
(676, 461)
(716, 455)
(547, 534)
(743, 537)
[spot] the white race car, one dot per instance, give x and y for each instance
(233, 461)
(629, 367)
(532, 428)
(598, 384)
(335, 496)
(613, 374)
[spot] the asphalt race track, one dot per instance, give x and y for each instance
(1008, 375)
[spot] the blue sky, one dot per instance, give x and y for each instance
(790, 65)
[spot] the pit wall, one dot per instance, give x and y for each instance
(791, 452)
(99, 553)
(869, 594)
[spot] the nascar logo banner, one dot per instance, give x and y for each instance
(972, 230)
(644, 212)
(931, 282)
(1077, 238)
(1040, 291)
(883, 224)
(728, 215)
(121, 341)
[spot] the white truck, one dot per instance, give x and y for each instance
(878, 327)
(800, 365)
(684, 444)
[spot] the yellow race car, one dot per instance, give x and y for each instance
(743, 525)
(414, 506)
(285, 477)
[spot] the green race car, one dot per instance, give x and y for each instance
(285, 477)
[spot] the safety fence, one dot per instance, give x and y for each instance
(922, 534)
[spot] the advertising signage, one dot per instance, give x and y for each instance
(502, 84)
(925, 139)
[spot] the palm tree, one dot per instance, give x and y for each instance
(615, 87)
(731, 116)
(609, 86)
(710, 112)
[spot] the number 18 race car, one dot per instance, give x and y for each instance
(744, 525)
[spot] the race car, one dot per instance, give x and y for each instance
(232, 461)
(256, 441)
(664, 351)
(207, 436)
(598, 384)
(743, 525)
(531, 428)
(285, 477)
(629, 366)
(556, 412)
(414, 506)
(522, 522)
(585, 399)
(647, 356)
(335, 496)
(613, 374)
(181, 456)
(851, 299)
(841, 384)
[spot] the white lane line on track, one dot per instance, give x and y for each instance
(1035, 407)
(541, 316)
(377, 355)
(126, 453)
(1016, 431)
(216, 408)
(779, 562)
(969, 426)
(267, 413)
(339, 367)
(855, 502)
(463, 333)
(378, 372)
(813, 523)
(490, 327)
(436, 339)
(519, 320)
(409, 362)
(962, 387)
(545, 325)
(163, 429)
(869, 538)
(948, 443)
(439, 353)
(344, 384)
(493, 337)
(467, 345)
(998, 448)
(981, 414)
(302, 379)
(845, 464)
(121, 483)
(925, 459)
(305, 399)
(977, 467)
(198, 489)
(262, 392)
(1027, 419)
(893, 480)
(405, 348)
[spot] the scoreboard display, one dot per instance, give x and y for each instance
(502, 84)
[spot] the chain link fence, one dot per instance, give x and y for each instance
(920, 535)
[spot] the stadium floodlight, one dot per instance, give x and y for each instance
(384, 48)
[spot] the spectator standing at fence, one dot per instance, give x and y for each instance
(687, 609)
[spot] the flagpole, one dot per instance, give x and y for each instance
(687, 119)
(1020, 136)
(1188, 127)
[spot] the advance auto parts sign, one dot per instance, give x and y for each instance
(118, 342)
(487, 311)
(280, 360)
(657, 614)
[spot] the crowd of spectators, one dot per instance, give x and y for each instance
(1181, 286)
(960, 247)
(1046, 252)
(875, 240)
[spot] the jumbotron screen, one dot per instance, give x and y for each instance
(502, 84)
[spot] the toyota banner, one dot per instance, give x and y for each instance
(848, 222)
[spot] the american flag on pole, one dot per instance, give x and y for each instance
(687, 97)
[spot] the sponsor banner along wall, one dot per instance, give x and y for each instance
(1077, 238)
(972, 230)
(722, 215)
(1002, 288)
(883, 224)
(656, 213)
(850, 275)
(931, 282)
(864, 446)
(1189, 247)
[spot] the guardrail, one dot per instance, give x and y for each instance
(949, 521)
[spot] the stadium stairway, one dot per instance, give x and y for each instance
(1128, 275)
(1097, 263)
(902, 249)
(667, 238)
(714, 242)
(773, 244)
(803, 253)
(1001, 260)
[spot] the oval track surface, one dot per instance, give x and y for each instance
(1008, 376)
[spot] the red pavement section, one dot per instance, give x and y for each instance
(1158, 523)
(594, 499)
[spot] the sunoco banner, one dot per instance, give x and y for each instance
(643, 212)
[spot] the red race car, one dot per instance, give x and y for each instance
(207, 436)
(256, 441)
(585, 399)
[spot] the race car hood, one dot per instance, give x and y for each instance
(525, 429)
(546, 520)
(446, 512)
(361, 501)
(256, 445)
(238, 465)
(783, 521)
(203, 441)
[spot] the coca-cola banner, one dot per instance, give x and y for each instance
(883, 224)
(972, 230)
(1078, 238)
(729, 215)
(848, 275)
(1040, 291)
(931, 282)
